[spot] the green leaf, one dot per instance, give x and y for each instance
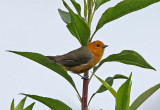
(121, 9)
(53, 104)
(108, 80)
(12, 105)
(113, 92)
(72, 29)
(102, 88)
(143, 97)
(43, 60)
(98, 3)
(30, 107)
(119, 76)
(127, 57)
(123, 95)
(76, 6)
(78, 27)
(65, 16)
(21, 104)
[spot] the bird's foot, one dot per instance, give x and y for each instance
(84, 77)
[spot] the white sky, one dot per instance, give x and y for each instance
(35, 26)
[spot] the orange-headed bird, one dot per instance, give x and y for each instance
(81, 59)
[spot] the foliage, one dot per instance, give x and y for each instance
(53, 104)
(20, 105)
(80, 27)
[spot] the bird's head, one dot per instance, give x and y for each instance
(97, 48)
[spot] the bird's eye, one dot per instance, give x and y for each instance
(98, 45)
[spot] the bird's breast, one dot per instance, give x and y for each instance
(82, 68)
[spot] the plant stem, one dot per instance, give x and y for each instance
(91, 76)
(92, 35)
(85, 91)
(90, 12)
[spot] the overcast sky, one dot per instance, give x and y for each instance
(35, 26)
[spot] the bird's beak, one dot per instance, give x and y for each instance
(104, 46)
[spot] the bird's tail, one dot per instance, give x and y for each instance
(52, 58)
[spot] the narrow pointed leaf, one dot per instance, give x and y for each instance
(30, 107)
(123, 96)
(102, 88)
(72, 29)
(12, 105)
(21, 104)
(113, 92)
(53, 104)
(127, 57)
(76, 6)
(65, 16)
(143, 97)
(78, 27)
(108, 80)
(119, 76)
(121, 9)
(47, 63)
(98, 3)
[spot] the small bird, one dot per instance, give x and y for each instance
(81, 59)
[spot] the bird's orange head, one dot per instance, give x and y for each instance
(97, 49)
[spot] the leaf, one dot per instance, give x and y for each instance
(143, 97)
(21, 104)
(119, 76)
(43, 60)
(76, 6)
(53, 104)
(78, 27)
(127, 57)
(108, 80)
(12, 105)
(113, 92)
(121, 9)
(123, 95)
(72, 29)
(30, 107)
(65, 16)
(98, 3)
(102, 88)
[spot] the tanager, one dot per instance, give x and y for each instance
(81, 59)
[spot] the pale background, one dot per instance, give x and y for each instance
(35, 26)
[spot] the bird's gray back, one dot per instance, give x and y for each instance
(75, 58)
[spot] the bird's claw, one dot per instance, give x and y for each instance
(84, 77)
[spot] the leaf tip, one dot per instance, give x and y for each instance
(8, 50)
(154, 69)
(21, 94)
(130, 76)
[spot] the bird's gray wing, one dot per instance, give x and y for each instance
(74, 58)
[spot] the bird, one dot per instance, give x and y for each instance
(81, 59)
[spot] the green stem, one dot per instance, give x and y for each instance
(85, 11)
(91, 76)
(91, 98)
(79, 97)
(89, 12)
(92, 35)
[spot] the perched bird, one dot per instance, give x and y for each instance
(81, 59)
